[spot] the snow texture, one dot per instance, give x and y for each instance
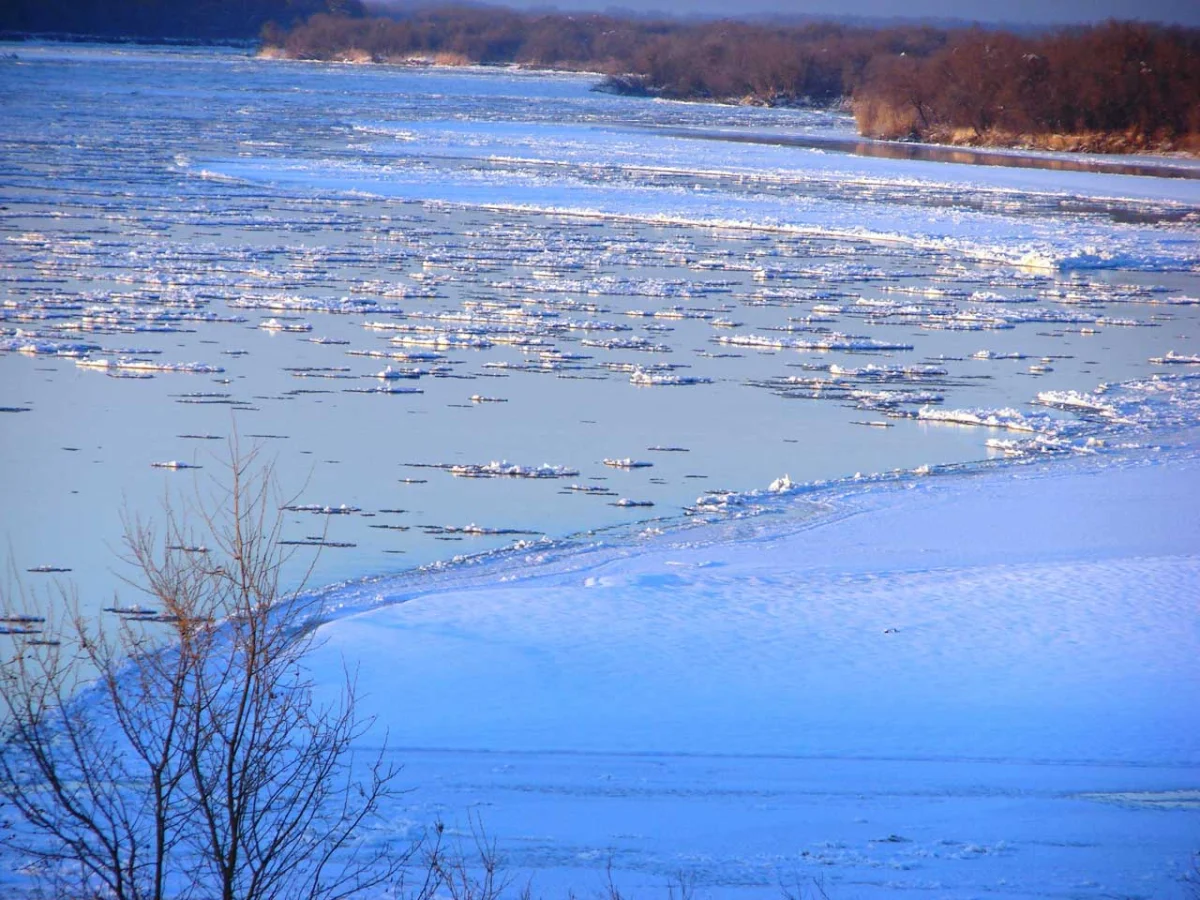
(940, 684)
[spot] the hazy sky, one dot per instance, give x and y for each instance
(1186, 12)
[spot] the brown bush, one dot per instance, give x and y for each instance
(1115, 85)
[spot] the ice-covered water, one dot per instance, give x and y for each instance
(367, 268)
(464, 310)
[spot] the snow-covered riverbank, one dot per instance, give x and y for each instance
(979, 683)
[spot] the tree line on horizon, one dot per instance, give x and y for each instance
(196, 20)
(1113, 86)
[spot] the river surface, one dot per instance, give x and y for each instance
(627, 317)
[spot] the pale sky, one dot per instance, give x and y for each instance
(1041, 12)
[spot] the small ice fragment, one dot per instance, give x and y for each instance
(1178, 359)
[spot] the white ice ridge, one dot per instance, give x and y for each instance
(718, 501)
(1008, 418)
(1075, 401)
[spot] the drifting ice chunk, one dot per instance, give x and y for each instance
(505, 469)
(888, 372)
(1178, 359)
(389, 374)
(385, 389)
(143, 365)
(632, 343)
(444, 340)
(781, 485)
(276, 325)
(834, 341)
(35, 346)
(642, 377)
(627, 463)
(991, 354)
(596, 489)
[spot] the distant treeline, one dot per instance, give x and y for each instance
(1117, 86)
(723, 60)
(195, 20)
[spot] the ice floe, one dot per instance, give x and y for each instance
(825, 343)
(501, 469)
(1179, 359)
(644, 378)
(342, 509)
(277, 325)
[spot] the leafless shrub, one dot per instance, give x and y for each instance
(813, 889)
(463, 868)
(682, 886)
(196, 763)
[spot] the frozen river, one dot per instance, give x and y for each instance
(753, 509)
(199, 241)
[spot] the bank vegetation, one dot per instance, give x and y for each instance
(1115, 87)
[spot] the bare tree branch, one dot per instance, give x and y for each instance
(195, 762)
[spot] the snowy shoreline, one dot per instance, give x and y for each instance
(996, 667)
(1147, 419)
(973, 678)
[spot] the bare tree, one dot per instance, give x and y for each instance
(143, 766)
